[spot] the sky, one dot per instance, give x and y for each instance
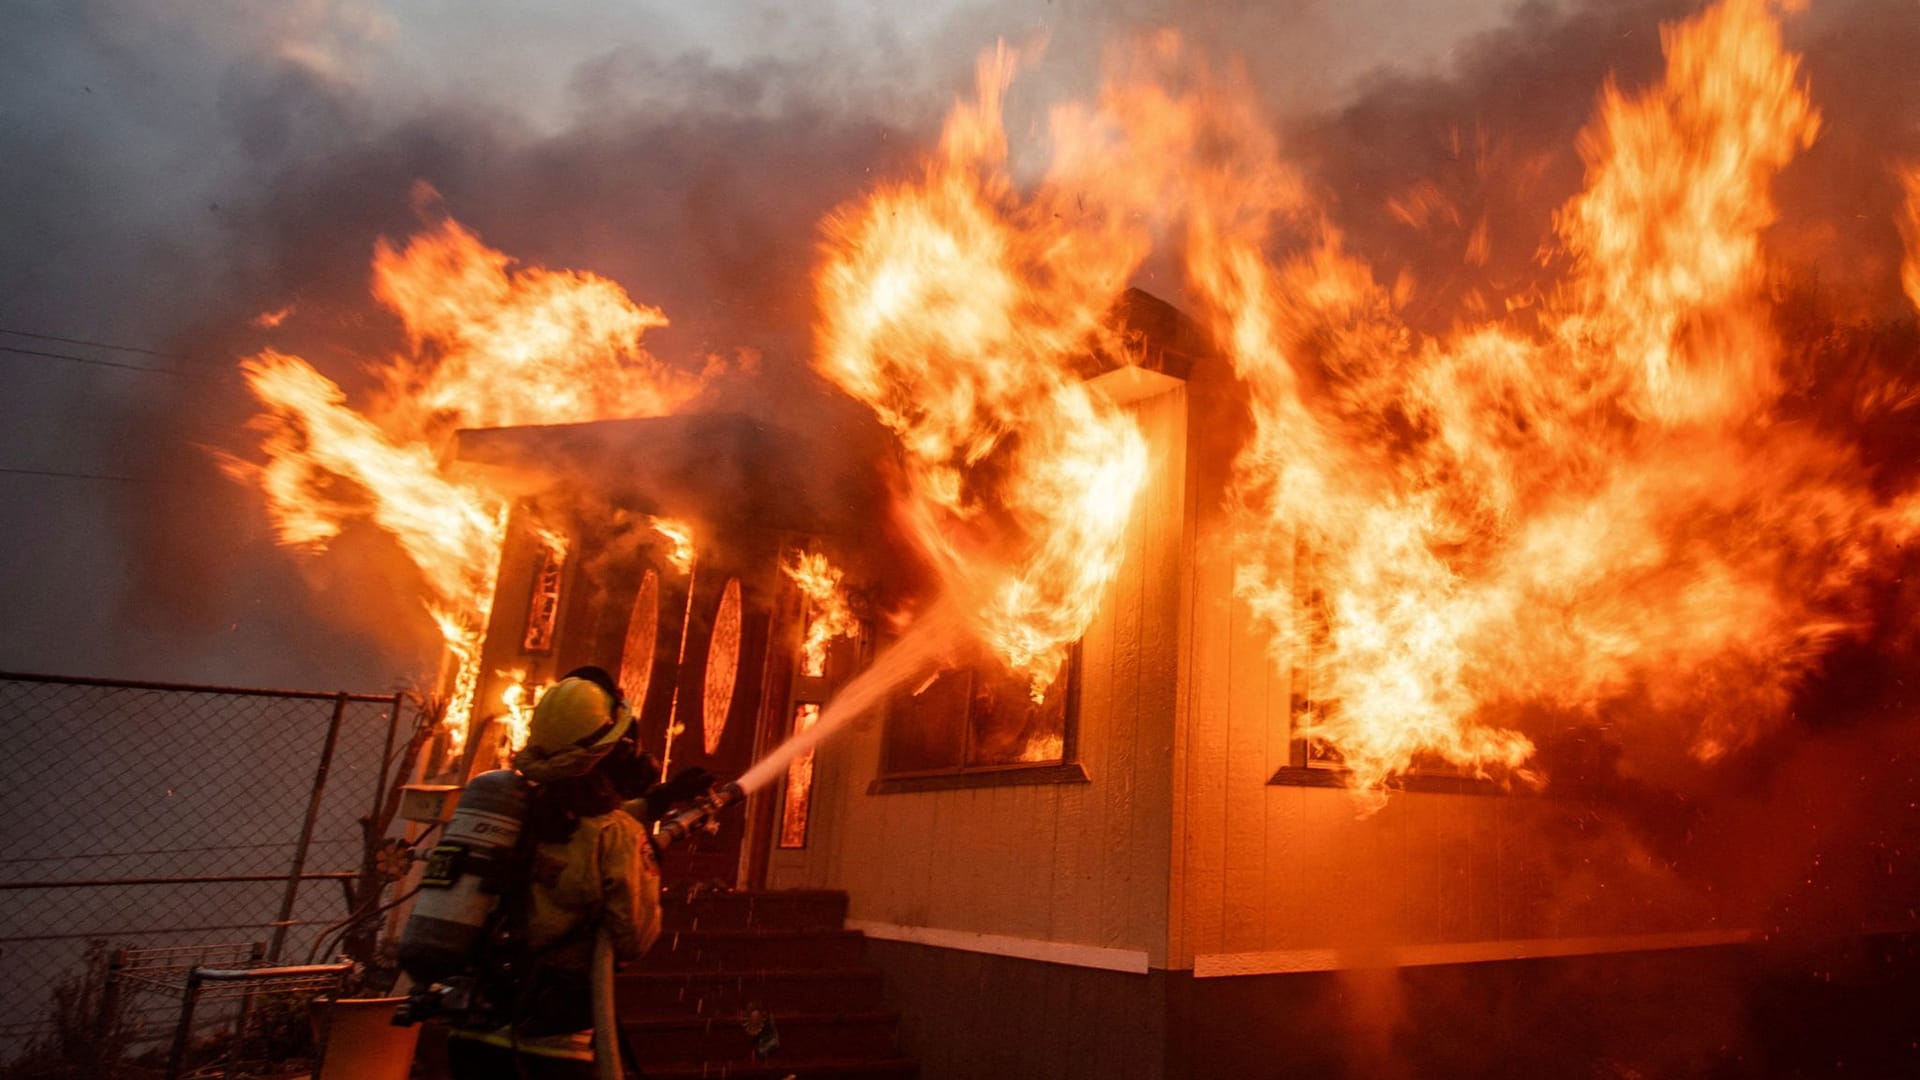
(168, 169)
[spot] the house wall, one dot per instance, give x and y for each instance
(1729, 1011)
(1082, 910)
(507, 627)
(1282, 878)
(977, 1016)
(1080, 867)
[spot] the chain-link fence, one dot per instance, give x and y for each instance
(153, 815)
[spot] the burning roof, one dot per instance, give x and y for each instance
(726, 471)
(1592, 494)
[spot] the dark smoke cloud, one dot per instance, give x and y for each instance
(164, 180)
(706, 210)
(172, 173)
(1492, 143)
(1487, 149)
(709, 217)
(166, 184)
(1811, 835)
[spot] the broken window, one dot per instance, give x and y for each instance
(981, 717)
(1313, 761)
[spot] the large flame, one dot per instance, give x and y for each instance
(1910, 232)
(1591, 509)
(1596, 506)
(519, 700)
(829, 615)
(491, 344)
(957, 309)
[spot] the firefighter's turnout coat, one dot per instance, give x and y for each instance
(603, 877)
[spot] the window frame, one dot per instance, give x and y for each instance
(1306, 769)
(1067, 770)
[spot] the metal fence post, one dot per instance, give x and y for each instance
(105, 1024)
(245, 1016)
(183, 1032)
(306, 828)
(386, 756)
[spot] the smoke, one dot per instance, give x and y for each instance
(1446, 182)
(172, 174)
(693, 169)
(170, 178)
(705, 210)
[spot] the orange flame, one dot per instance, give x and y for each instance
(679, 537)
(1910, 232)
(491, 344)
(799, 798)
(1048, 747)
(1574, 513)
(518, 699)
(956, 311)
(828, 614)
(1588, 511)
(556, 542)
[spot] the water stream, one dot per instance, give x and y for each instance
(910, 655)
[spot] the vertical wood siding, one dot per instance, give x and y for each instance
(1074, 863)
(1267, 868)
(1179, 846)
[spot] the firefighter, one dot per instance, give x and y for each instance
(590, 870)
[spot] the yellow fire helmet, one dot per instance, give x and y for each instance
(574, 725)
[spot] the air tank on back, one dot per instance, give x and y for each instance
(464, 872)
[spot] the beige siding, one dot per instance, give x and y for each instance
(1261, 868)
(1179, 846)
(1083, 864)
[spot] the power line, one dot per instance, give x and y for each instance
(72, 475)
(88, 360)
(71, 358)
(84, 341)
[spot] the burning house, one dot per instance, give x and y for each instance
(675, 552)
(1284, 681)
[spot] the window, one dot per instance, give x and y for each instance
(1313, 762)
(797, 808)
(977, 726)
(543, 606)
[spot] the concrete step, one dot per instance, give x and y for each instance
(746, 950)
(681, 865)
(804, 1036)
(653, 994)
(787, 909)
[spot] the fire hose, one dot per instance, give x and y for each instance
(703, 815)
(488, 823)
(465, 873)
(606, 1020)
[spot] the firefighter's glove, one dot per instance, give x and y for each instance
(687, 785)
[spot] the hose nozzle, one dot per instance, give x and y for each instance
(704, 813)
